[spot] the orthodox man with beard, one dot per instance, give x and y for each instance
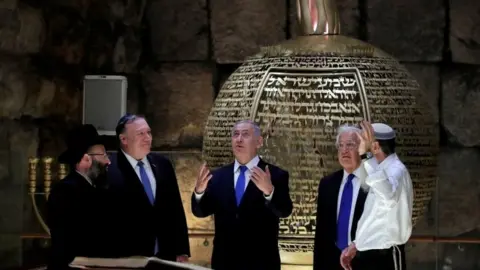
(75, 213)
(386, 222)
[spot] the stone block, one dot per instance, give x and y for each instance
(428, 76)
(22, 30)
(9, 4)
(23, 93)
(240, 27)
(11, 207)
(127, 51)
(421, 256)
(458, 191)
(403, 29)
(10, 251)
(178, 101)
(460, 99)
(460, 255)
(22, 141)
(349, 18)
(187, 166)
(464, 31)
(178, 29)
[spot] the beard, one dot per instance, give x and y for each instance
(97, 173)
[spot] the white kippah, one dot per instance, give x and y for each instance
(383, 132)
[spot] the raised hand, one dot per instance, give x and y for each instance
(366, 137)
(204, 176)
(262, 179)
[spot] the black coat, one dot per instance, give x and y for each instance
(326, 253)
(137, 222)
(246, 237)
(76, 216)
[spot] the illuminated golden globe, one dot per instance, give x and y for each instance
(299, 92)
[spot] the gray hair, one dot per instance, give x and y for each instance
(346, 128)
(256, 128)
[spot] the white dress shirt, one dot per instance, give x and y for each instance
(148, 170)
(387, 216)
(359, 173)
(236, 173)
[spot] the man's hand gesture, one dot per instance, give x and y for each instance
(262, 179)
(204, 176)
(366, 137)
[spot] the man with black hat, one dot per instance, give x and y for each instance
(386, 222)
(74, 208)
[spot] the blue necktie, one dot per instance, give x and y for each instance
(149, 191)
(344, 214)
(146, 182)
(240, 187)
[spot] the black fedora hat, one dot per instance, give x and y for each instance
(78, 141)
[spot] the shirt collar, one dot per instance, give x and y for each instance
(359, 173)
(252, 163)
(384, 164)
(134, 162)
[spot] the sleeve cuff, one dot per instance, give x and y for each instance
(269, 197)
(199, 196)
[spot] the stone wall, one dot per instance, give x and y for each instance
(177, 54)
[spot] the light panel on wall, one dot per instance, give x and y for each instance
(104, 101)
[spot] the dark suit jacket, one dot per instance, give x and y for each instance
(326, 253)
(139, 223)
(246, 237)
(77, 221)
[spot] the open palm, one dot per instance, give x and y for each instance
(366, 137)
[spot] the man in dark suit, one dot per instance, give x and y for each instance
(341, 197)
(75, 207)
(247, 199)
(150, 214)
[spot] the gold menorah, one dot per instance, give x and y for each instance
(47, 182)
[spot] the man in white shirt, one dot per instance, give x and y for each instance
(340, 202)
(247, 198)
(386, 222)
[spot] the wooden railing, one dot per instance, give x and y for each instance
(413, 239)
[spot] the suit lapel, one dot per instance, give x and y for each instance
(156, 174)
(334, 199)
(362, 195)
(252, 190)
(230, 186)
(130, 176)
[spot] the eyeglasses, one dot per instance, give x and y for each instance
(347, 146)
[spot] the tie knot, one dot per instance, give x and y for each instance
(243, 168)
(350, 177)
(140, 163)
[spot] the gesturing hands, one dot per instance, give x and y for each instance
(262, 179)
(203, 177)
(366, 137)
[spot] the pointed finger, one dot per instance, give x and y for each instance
(267, 171)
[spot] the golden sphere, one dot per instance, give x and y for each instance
(300, 92)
